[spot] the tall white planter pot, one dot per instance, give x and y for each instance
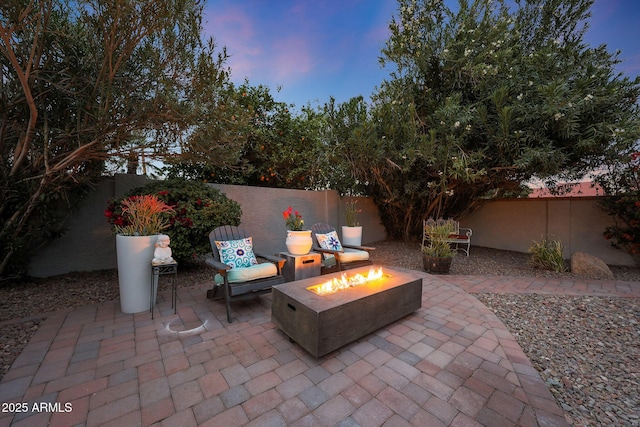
(352, 235)
(134, 255)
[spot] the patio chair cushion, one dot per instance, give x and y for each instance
(329, 241)
(246, 274)
(348, 255)
(237, 253)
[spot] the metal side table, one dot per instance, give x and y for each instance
(161, 270)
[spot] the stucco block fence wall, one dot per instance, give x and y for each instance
(89, 244)
(515, 224)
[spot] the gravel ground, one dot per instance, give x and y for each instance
(587, 349)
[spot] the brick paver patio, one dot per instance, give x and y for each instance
(452, 362)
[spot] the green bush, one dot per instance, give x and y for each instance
(622, 185)
(199, 208)
(547, 255)
(625, 234)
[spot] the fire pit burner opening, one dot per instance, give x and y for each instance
(348, 281)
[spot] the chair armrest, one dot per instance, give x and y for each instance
(325, 251)
(220, 266)
(466, 231)
(272, 258)
(361, 248)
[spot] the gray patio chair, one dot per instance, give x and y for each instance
(336, 256)
(229, 245)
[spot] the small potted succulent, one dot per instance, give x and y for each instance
(438, 253)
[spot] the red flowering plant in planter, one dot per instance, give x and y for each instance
(293, 219)
(143, 215)
(197, 209)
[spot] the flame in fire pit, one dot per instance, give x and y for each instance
(344, 282)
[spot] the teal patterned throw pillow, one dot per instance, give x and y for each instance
(237, 253)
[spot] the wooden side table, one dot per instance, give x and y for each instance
(161, 270)
(301, 266)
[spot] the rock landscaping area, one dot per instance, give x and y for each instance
(586, 348)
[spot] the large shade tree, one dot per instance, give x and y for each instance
(275, 145)
(483, 98)
(346, 135)
(85, 81)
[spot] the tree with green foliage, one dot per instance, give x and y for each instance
(483, 98)
(90, 81)
(218, 140)
(276, 147)
(620, 180)
(347, 132)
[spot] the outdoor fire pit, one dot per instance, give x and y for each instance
(321, 319)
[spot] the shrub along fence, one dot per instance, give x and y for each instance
(514, 224)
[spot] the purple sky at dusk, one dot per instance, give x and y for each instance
(316, 49)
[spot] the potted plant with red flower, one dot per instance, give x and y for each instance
(298, 240)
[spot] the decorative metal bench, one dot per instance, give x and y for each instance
(460, 237)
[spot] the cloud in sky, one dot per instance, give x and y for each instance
(273, 44)
(301, 46)
(233, 27)
(320, 48)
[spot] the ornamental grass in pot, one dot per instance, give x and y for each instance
(137, 221)
(144, 215)
(352, 232)
(438, 254)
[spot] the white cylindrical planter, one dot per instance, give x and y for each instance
(134, 271)
(352, 235)
(298, 242)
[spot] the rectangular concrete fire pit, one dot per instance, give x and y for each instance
(323, 323)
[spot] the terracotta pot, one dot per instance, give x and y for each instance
(298, 242)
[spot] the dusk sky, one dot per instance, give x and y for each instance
(316, 49)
